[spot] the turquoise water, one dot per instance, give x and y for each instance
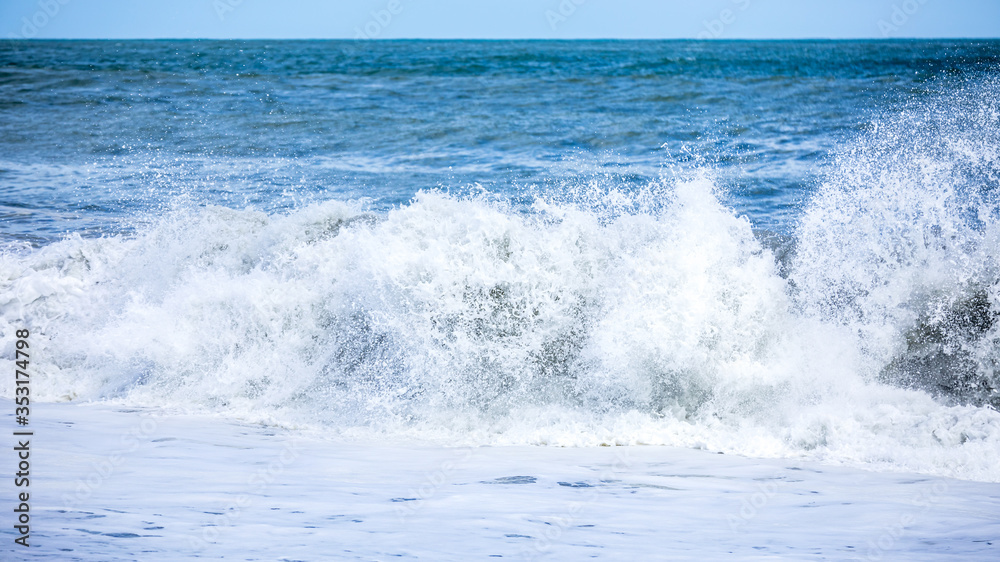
(769, 248)
(94, 133)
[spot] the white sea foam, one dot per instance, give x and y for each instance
(127, 485)
(655, 317)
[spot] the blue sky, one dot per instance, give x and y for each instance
(389, 19)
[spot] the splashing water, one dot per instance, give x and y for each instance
(625, 317)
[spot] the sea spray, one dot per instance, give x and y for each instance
(641, 316)
(902, 245)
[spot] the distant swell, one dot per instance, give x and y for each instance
(613, 317)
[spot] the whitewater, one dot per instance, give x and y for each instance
(525, 375)
(604, 317)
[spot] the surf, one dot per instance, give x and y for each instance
(611, 316)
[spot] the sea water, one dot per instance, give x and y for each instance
(781, 250)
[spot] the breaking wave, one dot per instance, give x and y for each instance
(651, 316)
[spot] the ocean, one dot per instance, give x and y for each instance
(782, 251)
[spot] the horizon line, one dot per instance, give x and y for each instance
(389, 39)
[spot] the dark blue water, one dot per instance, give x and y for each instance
(95, 133)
